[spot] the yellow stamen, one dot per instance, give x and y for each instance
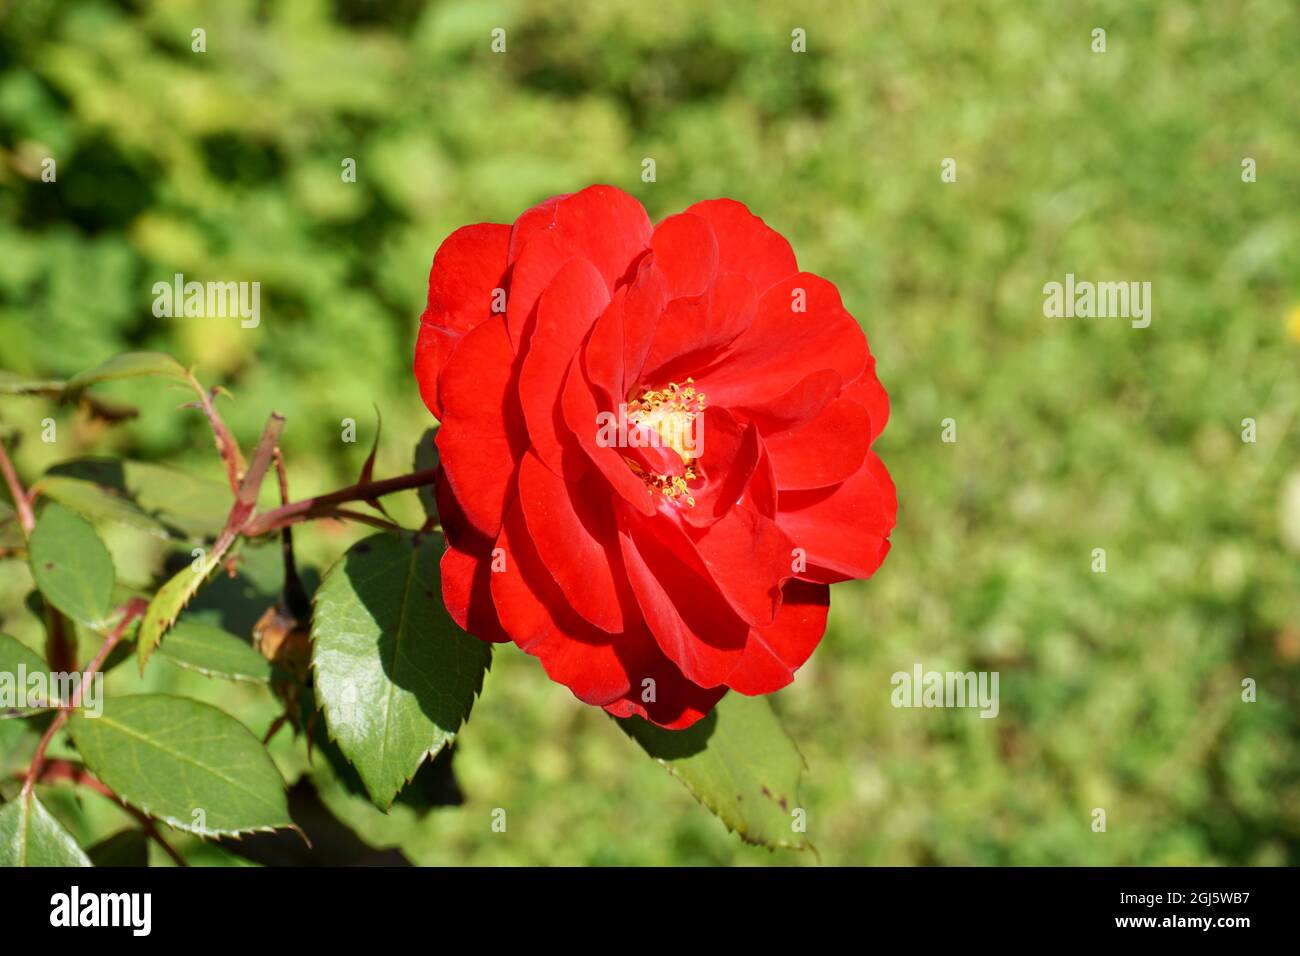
(670, 412)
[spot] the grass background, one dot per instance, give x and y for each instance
(1118, 690)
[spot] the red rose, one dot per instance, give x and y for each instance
(656, 448)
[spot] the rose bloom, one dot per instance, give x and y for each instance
(655, 448)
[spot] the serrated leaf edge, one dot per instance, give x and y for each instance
(428, 754)
(144, 649)
(781, 844)
(208, 832)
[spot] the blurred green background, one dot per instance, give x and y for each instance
(1118, 690)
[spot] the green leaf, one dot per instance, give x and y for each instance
(395, 675)
(739, 762)
(215, 652)
(18, 740)
(155, 498)
(71, 566)
(124, 848)
(11, 531)
(170, 600)
(16, 661)
(98, 503)
(236, 604)
(30, 836)
(187, 763)
(128, 365)
(11, 384)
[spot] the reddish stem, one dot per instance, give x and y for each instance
(133, 609)
(75, 773)
(22, 504)
(246, 494)
(323, 505)
(227, 447)
(78, 775)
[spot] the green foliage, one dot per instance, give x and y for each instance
(71, 566)
(1119, 690)
(124, 848)
(127, 365)
(17, 659)
(394, 674)
(171, 599)
(740, 763)
(11, 533)
(214, 652)
(187, 763)
(162, 500)
(11, 384)
(30, 836)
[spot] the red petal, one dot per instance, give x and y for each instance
(565, 312)
(870, 394)
(482, 436)
(823, 451)
(621, 338)
(677, 702)
(466, 572)
(576, 537)
(535, 614)
(467, 592)
(729, 455)
(747, 556)
(800, 403)
(692, 332)
(433, 346)
(580, 415)
(602, 669)
(746, 244)
(532, 221)
(844, 530)
(686, 253)
(761, 494)
(690, 621)
(601, 224)
(651, 454)
(783, 347)
(467, 268)
(774, 653)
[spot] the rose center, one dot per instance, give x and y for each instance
(673, 414)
